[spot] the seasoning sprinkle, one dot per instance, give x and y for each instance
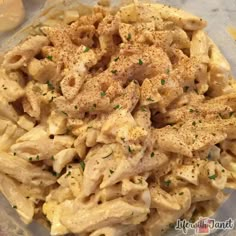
(150, 99)
(15, 207)
(111, 171)
(212, 177)
(167, 183)
(152, 154)
(129, 37)
(116, 107)
(194, 123)
(49, 58)
(82, 164)
(103, 94)
(76, 107)
(181, 193)
(86, 49)
(130, 150)
(68, 174)
(114, 72)
(143, 108)
(163, 82)
(50, 85)
(186, 89)
(116, 59)
(52, 158)
(140, 62)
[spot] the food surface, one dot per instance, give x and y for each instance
(117, 122)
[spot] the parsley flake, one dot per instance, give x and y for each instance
(143, 108)
(14, 154)
(86, 49)
(37, 157)
(49, 58)
(212, 177)
(116, 59)
(129, 37)
(152, 154)
(15, 207)
(50, 85)
(52, 158)
(167, 183)
(68, 174)
(167, 71)
(82, 164)
(103, 94)
(181, 193)
(130, 150)
(163, 82)
(114, 72)
(150, 99)
(116, 107)
(140, 62)
(30, 159)
(64, 113)
(194, 123)
(111, 171)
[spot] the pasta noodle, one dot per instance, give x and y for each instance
(117, 122)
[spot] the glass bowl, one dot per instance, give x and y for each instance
(220, 15)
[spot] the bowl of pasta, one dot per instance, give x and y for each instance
(119, 120)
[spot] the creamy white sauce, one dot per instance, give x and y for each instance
(12, 14)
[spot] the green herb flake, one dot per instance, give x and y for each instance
(181, 193)
(54, 173)
(14, 154)
(212, 177)
(76, 107)
(129, 37)
(30, 159)
(111, 171)
(223, 170)
(152, 154)
(167, 183)
(15, 207)
(49, 58)
(114, 72)
(103, 94)
(116, 59)
(52, 158)
(163, 82)
(68, 174)
(140, 62)
(143, 108)
(191, 110)
(86, 49)
(130, 150)
(186, 89)
(167, 71)
(50, 85)
(82, 164)
(116, 107)
(150, 99)
(194, 123)
(37, 157)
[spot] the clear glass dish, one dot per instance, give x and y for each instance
(220, 15)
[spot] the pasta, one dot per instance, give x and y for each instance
(117, 122)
